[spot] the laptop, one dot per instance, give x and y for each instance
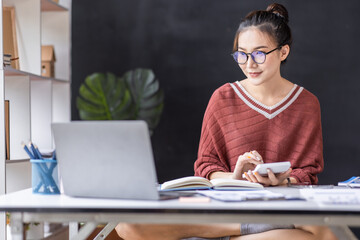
(106, 159)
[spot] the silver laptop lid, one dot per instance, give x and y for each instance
(106, 159)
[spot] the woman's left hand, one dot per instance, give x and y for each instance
(270, 180)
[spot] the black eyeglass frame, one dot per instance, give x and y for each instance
(253, 58)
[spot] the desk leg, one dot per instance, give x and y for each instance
(3, 225)
(73, 229)
(106, 231)
(85, 231)
(17, 229)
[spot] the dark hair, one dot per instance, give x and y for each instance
(273, 21)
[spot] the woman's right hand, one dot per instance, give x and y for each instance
(246, 162)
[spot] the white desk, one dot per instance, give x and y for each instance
(27, 207)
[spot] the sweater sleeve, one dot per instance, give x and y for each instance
(311, 161)
(210, 158)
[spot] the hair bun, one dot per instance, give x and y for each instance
(279, 10)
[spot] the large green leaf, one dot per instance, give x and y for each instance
(136, 95)
(147, 97)
(104, 97)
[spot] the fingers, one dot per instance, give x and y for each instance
(254, 155)
(284, 174)
(273, 179)
(270, 179)
(257, 156)
(251, 157)
(261, 179)
(250, 176)
(246, 176)
(245, 162)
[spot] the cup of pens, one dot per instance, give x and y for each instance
(44, 176)
(44, 171)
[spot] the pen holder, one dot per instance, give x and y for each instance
(44, 176)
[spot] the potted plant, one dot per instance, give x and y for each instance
(135, 95)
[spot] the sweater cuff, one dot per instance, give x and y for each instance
(301, 177)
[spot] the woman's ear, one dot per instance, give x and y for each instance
(284, 52)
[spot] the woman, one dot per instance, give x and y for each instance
(263, 118)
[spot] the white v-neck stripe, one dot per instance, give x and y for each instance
(263, 105)
(266, 114)
(288, 103)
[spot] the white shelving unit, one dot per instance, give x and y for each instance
(35, 101)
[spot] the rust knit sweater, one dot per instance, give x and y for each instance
(235, 123)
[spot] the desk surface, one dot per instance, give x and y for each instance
(105, 210)
(25, 200)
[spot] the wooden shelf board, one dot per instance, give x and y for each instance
(48, 5)
(9, 71)
(16, 161)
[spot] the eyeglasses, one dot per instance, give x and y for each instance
(258, 57)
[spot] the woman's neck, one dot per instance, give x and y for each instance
(269, 92)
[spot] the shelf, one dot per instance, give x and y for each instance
(48, 5)
(16, 161)
(35, 102)
(9, 71)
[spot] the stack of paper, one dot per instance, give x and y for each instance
(332, 196)
(237, 196)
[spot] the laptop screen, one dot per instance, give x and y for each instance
(106, 159)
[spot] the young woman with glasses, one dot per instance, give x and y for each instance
(263, 118)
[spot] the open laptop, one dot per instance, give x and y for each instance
(106, 159)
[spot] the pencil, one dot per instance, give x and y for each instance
(36, 153)
(28, 151)
(54, 154)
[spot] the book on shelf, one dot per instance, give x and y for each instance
(7, 59)
(7, 129)
(198, 183)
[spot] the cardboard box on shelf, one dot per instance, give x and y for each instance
(47, 61)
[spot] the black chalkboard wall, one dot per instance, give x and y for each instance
(188, 44)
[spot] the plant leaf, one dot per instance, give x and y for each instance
(136, 95)
(103, 97)
(147, 97)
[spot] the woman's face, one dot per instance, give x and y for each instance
(251, 40)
